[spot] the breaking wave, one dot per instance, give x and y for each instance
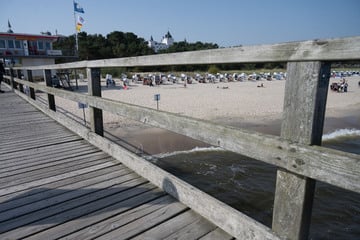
(194, 150)
(341, 133)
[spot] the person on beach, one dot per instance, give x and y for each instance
(343, 85)
(2, 71)
(109, 80)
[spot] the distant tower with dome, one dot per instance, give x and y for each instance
(165, 43)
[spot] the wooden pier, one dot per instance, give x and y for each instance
(40, 199)
(54, 184)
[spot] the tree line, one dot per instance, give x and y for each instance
(96, 46)
(119, 44)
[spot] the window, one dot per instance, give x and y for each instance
(40, 45)
(11, 44)
(48, 46)
(17, 44)
(2, 43)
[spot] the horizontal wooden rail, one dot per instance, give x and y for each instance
(331, 166)
(314, 50)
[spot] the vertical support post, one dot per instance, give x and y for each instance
(48, 81)
(76, 80)
(18, 73)
(303, 121)
(12, 83)
(30, 79)
(94, 89)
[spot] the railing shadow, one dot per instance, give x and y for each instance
(49, 207)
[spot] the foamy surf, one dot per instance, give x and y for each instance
(341, 133)
(194, 150)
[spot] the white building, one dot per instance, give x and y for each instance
(165, 43)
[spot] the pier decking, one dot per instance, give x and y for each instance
(54, 184)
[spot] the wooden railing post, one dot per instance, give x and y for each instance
(19, 73)
(303, 120)
(94, 89)
(48, 81)
(12, 83)
(30, 79)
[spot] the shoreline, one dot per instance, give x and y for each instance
(153, 140)
(237, 104)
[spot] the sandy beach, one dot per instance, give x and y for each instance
(240, 104)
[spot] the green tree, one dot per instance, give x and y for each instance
(119, 44)
(185, 46)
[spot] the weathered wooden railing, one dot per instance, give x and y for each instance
(295, 152)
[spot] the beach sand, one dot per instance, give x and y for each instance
(239, 104)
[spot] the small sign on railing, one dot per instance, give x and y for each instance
(157, 99)
(83, 106)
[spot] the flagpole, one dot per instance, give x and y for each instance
(76, 34)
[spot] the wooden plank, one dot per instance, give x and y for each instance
(31, 169)
(303, 121)
(78, 163)
(24, 115)
(52, 189)
(173, 228)
(69, 198)
(27, 135)
(148, 221)
(217, 234)
(124, 194)
(102, 221)
(52, 179)
(194, 230)
(81, 161)
(15, 163)
(39, 140)
(37, 192)
(23, 127)
(14, 131)
(42, 143)
(24, 124)
(26, 156)
(24, 138)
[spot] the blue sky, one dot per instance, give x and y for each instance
(225, 22)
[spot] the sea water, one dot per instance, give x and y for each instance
(249, 185)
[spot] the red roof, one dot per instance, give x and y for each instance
(25, 36)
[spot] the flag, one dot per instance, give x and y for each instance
(80, 20)
(79, 23)
(78, 27)
(78, 8)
